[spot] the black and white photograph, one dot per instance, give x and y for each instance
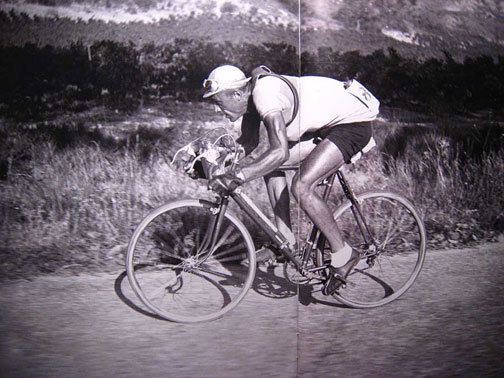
(277, 188)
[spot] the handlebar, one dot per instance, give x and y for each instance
(204, 157)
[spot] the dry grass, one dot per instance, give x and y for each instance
(74, 209)
(79, 206)
(461, 194)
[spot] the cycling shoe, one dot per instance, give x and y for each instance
(337, 276)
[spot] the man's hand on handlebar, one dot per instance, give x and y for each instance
(227, 181)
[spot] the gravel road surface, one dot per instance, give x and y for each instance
(451, 322)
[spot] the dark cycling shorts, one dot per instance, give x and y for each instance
(349, 138)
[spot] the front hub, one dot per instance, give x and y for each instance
(189, 264)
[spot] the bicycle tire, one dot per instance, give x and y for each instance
(400, 235)
(177, 275)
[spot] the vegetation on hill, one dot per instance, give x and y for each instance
(70, 195)
(39, 80)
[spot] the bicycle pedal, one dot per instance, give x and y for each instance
(271, 264)
(333, 284)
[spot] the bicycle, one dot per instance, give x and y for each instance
(193, 260)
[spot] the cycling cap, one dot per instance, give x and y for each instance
(222, 78)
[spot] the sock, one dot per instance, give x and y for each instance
(341, 257)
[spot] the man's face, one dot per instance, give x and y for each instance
(232, 102)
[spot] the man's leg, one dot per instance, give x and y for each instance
(278, 193)
(324, 160)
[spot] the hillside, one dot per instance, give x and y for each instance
(414, 28)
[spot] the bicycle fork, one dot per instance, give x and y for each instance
(210, 239)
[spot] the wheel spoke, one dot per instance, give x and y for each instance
(172, 272)
(205, 269)
(160, 288)
(157, 265)
(208, 236)
(394, 228)
(231, 250)
(400, 239)
(222, 239)
(233, 258)
(388, 234)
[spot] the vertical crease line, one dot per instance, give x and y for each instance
(298, 334)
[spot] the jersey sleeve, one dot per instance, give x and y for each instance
(268, 97)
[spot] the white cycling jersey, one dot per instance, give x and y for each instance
(323, 102)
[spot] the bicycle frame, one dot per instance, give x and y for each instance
(315, 239)
(215, 253)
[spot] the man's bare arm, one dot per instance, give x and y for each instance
(277, 152)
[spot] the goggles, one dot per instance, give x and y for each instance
(211, 85)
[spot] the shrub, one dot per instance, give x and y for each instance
(70, 204)
(35, 79)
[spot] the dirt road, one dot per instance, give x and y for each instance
(450, 322)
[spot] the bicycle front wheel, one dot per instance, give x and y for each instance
(184, 268)
(391, 263)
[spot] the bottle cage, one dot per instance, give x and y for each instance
(262, 71)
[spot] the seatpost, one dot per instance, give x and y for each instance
(328, 186)
(346, 189)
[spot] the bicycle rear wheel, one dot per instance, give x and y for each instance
(390, 265)
(183, 274)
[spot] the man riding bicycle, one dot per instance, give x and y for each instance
(331, 126)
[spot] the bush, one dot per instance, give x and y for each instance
(433, 86)
(36, 80)
(40, 80)
(70, 199)
(115, 67)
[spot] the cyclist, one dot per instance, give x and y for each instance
(331, 126)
